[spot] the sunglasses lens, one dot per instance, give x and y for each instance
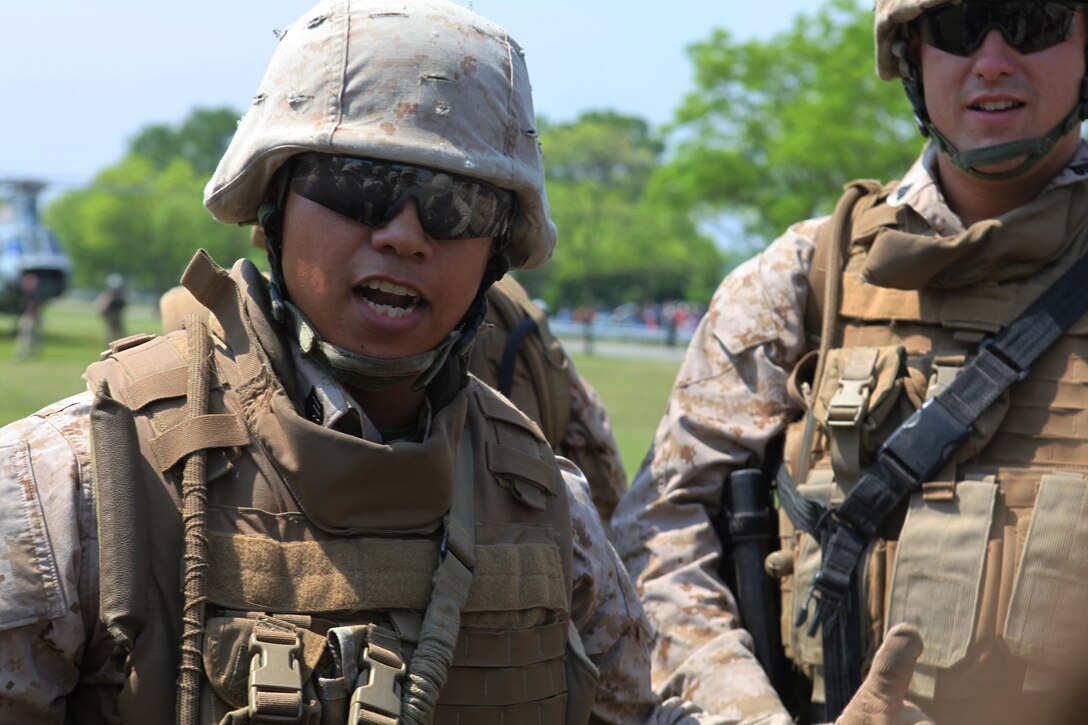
(372, 192)
(1027, 26)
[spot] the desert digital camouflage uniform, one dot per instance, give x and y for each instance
(730, 399)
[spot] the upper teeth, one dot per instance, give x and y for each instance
(382, 286)
(996, 105)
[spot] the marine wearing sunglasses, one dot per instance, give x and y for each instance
(961, 29)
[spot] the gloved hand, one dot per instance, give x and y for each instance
(881, 698)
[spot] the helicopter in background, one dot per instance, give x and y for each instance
(27, 248)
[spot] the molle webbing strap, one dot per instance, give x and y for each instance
(529, 683)
(121, 510)
(512, 648)
(917, 450)
(172, 383)
(197, 434)
(452, 580)
(194, 512)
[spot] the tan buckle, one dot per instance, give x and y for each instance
(275, 677)
(849, 403)
(380, 692)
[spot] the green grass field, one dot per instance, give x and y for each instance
(634, 391)
(72, 338)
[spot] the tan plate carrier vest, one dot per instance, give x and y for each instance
(990, 559)
(323, 550)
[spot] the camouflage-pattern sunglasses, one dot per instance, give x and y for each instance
(1027, 25)
(372, 192)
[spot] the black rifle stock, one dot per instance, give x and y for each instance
(751, 534)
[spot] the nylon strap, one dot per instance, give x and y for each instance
(216, 430)
(171, 383)
(910, 456)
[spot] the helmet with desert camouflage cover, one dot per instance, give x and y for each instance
(894, 59)
(427, 82)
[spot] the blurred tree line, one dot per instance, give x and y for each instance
(769, 135)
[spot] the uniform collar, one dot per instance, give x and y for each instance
(329, 404)
(919, 189)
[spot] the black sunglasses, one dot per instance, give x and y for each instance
(1027, 26)
(372, 192)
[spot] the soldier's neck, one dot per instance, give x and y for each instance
(395, 407)
(974, 199)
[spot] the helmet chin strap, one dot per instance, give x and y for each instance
(1032, 150)
(361, 371)
(370, 373)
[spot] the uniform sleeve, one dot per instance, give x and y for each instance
(46, 528)
(590, 445)
(610, 620)
(728, 402)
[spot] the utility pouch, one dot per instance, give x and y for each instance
(860, 388)
(941, 600)
(229, 666)
(1045, 624)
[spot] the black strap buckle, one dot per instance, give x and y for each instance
(927, 439)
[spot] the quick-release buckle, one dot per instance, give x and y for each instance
(275, 677)
(849, 403)
(377, 688)
(926, 440)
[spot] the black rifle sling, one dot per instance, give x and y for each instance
(510, 354)
(915, 451)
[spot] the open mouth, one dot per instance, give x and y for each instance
(388, 299)
(996, 106)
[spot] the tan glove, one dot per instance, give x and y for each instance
(881, 698)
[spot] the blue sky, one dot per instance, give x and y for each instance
(80, 78)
